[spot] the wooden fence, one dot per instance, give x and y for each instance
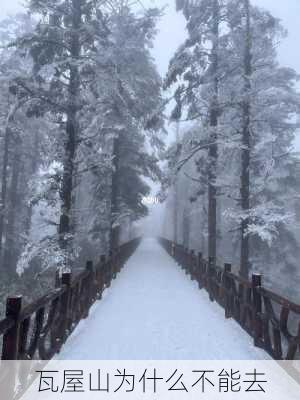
(38, 330)
(273, 321)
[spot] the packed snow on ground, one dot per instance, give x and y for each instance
(154, 311)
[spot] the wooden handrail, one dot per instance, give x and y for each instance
(281, 300)
(272, 320)
(38, 330)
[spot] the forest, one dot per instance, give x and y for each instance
(85, 117)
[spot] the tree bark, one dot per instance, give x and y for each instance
(10, 250)
(213, 149)
(65, 228)
(245, 156)
(4, 176)
(186, 228)
(176, 199)
(34, 168)
(4, 179)
(115, 194)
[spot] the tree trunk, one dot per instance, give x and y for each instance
(115, 190)
(186, 228)
(10, 248)
(65, 229)
(34, 167)
(245, 174)
(213, 149)
(4, 177)
(176, 200)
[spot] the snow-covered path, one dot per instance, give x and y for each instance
(154, 311)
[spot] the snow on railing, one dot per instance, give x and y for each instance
(273, 321)
(38, 330)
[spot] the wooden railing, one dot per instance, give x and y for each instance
(272, 321)
(38, 330)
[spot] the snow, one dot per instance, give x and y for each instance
(154, 311)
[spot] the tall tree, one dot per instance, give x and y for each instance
(13, 104)
(246, 144)
(264, 146)
(213, 148)
(198, 62)
(176, 194)
(62, 46)
(128, 94)
(256, 123)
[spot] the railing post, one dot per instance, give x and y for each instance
(178, 254)
(192, 264)
(199, 270)
(211, 263)
(90, 290)
(119, 260)
(185, 258)
(227, 286)
(114, 263)
(181, 256)
(173, 249)
(66, 280)
(257, 308)
(109, 266)
(10, 347)
(101, 276)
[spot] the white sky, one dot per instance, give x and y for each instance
(172, 29)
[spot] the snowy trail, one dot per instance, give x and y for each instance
(154, 311)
